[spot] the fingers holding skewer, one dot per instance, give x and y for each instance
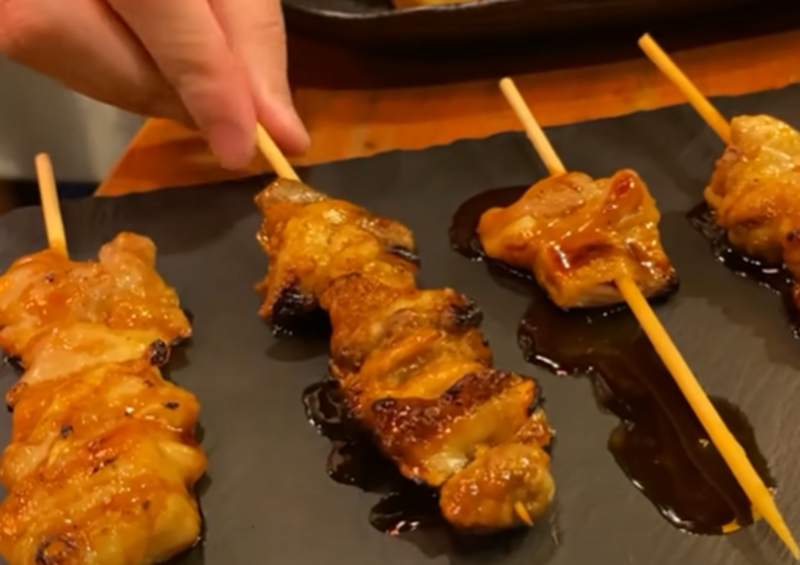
(51, 209)
(693, 95)
(726, 443)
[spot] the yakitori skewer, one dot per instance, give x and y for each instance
(727, 445)
(747, 160)
(517, 457)
(88, 471)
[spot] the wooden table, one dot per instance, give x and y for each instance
(358, 104)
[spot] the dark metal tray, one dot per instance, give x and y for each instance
(269, 500)
(378, 23)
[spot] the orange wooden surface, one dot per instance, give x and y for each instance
(363, 119)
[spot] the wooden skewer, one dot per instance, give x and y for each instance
(523, 513)
(273, 155)
(730, 449)
(532, 128)
(715, 120)
(51, 209)
(693, 95)
(281, 165)
(727, 445)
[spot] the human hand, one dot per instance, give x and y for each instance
(219, 65)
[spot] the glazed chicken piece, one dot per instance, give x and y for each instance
(121, 290)
(102, 461)
(577, 235)
(755, 192)
(414, 366)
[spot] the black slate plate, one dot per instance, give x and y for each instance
(269, 500)
(377, 23)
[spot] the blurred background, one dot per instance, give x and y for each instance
(84, 138)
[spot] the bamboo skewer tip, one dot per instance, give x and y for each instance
(676, 76)
(726, 443)
(269, 149)
(532, 128)
(523, 513)
(51, 208)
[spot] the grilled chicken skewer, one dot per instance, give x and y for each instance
(578, 236)
(615, 208)
(754, 192)
(752, 196)
(102, 460)
(414, 367)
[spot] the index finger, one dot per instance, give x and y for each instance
(254, 29)
(190, 49)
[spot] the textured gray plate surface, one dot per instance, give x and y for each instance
(269, 500)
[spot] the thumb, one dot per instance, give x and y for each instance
(255, 32)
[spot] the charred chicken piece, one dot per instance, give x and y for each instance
(414, 366)
(102, 461)
(577, 235)
(754, 192)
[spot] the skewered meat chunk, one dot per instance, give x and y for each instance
(578, 235)
(102, 460)
(121, 290)
(67, 347)
(414, 367)
(755, 191)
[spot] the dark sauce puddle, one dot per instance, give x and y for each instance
(405, 508)
(777, 279)
(659, 443)
(355, 460)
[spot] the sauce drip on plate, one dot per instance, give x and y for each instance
(355, 460)
(777, 279)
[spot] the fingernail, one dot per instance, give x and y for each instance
(233, 146)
